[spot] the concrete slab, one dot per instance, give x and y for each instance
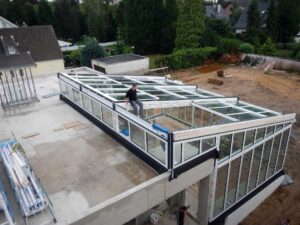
(79, 168)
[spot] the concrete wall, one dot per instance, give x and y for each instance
(280, 63)
(128, 205)
(237, 216)
(136, 67)
(47, 67)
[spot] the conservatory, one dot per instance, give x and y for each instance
(183, 126)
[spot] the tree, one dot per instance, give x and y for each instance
(99, 19)
(268, 48)
(29, 14)
(68, 19)
(253, 22)
(289, 19)
(15, 14)
(190, 24)
(169, 26)
(143, 24)
(44, 13)
(92, 50)
(272, 20)
(4, 4)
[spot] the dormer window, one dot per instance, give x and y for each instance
(11, 50)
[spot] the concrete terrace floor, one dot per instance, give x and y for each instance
(79, 166)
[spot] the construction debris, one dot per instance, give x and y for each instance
(215, 81)
(31, 135)
(71, 124)
(29, 193)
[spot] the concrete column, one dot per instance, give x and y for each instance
(203, 201)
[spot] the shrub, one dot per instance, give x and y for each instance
(246, 48)
(91, 50)
(268, 48)
(74, 57)
(228, 45)
(185, 58)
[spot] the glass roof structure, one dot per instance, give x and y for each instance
(159, 88)
(182, 126)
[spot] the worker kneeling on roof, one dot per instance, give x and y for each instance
(131, 95)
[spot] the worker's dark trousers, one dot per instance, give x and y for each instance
(135, 109)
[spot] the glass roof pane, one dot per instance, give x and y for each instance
(269, 114)
(246, 116)
(108, 86)
(228, 110)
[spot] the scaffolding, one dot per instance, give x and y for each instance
(17, 87)
(183, 126)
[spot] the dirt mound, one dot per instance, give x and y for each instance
(231, 59)
(207, 68)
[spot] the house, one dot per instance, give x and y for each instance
(4, 23)
(216, 11)
(122, 64)
(241, 25)
(228, 8)
(39, 42)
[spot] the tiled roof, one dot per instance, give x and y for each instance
(16, 61)
(40, 41)
(243, 20)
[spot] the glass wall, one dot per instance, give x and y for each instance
(107, 116)
(250, 157)
(156, 147)
(220, 189)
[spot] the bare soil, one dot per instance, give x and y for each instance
(277, 92)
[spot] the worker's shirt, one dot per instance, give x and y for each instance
(131, 95)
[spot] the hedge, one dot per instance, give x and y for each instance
(185, 58)
(228, 45)
(246, 48)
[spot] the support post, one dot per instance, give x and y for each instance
(203, 200)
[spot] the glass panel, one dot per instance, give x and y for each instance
(189, 114)
(270, 130)
(191, 149)
(197, 117)
(63, 88)
(233, 181)
(87, 104)
(220, 189)
(107, 116)
(274, 154)
(244, 175)
(76, 95)
(96, 108)
(156, 147)
(137, 135)
(255, 167)
(238, 140)
(206, 118)
(178, 153)
(181, 113)
(225, 146)
(279, 127)
(260, 134)
(208, 143)
(123, 126)
(249, 138)
(70, 92)
(264, 161)
(283, 146)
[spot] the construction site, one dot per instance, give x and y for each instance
(221, 149)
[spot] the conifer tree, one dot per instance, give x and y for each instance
(190, 25)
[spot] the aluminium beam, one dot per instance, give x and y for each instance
(204, 131)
